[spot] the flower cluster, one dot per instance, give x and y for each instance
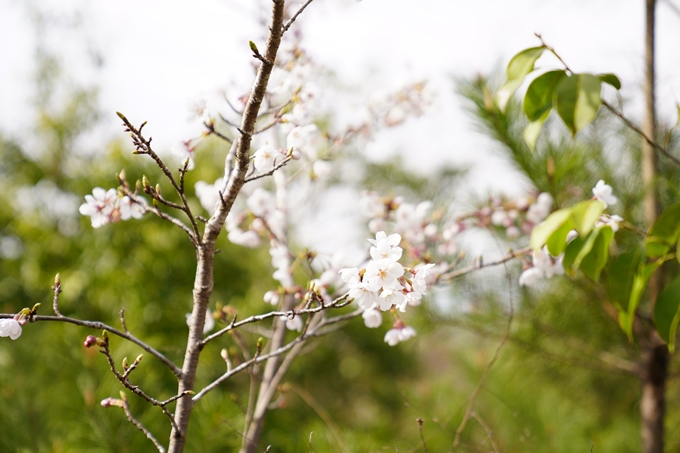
(107, 206)
(544, 264)
(385, 283)
(10, 328)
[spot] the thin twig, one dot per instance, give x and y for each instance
(616, 112)
(482, 381)
(316, 332)
(337, 303)
(122, 321)
(124, 379)
(486, 428)
(55, 301)
(267, 126)
(144, 146)
(420, 430)
(321, 411)
(139, 426)
(101, 326)
(638, 131)
(211, 128)
(175, 221)
(480, 265)
(270, 172)
(295, 16)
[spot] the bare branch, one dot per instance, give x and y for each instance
(316, 332)
(638, 131)
(486, 428)
(143, 146)
(213, 131)
(122, 321)
(101, 326)
(480, 265)
(139, 426)
(270, 172)
(337, 303)
(175, 221)
(295, 16)
(57, 290)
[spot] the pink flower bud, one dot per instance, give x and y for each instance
(89, 342)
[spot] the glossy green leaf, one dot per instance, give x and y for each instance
(610, 79)
(577, 99)
(533, 130)
(620, 277)
(542, 231)
(664, 233)
(640, 280)
(585, 214)
(523, 63)
(667, 313)
(577, 250)
(539, 96)
(594, 262)
(557, 241)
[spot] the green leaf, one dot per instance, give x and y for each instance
(620, 277)
(542, 231)
(594, 262)
(577, 99)
(539, 96)
(585, 214)
(640, 280)
(253, 47)
(610, 79)
(557, 241)
(523, 63)
(533, 130)
(577, 250)
(505, 92)
(664, 233)
(667, 313)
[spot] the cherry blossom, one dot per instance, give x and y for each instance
(294, 323)
(99, 206)
(184, 151)
(208, 194)
(603, 192)
(385, 247)
(372, 318)
(612, 221)
(264, 158)
(130, 209)
(545, 266)
(10, 328)
(399, 333)
(540, 210)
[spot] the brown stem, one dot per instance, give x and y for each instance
(203, 283)
(654, 369)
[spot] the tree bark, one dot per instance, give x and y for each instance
(654, 360)
(203, 283)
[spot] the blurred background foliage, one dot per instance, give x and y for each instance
(555, 387)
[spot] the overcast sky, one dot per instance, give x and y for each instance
(159, 54)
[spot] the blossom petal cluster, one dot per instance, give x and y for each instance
(107, 206)
(10, 328)
(399, 333)
(545, 266)
(604, 193)
(384, 283)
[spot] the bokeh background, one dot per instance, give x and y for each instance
(68, 66)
